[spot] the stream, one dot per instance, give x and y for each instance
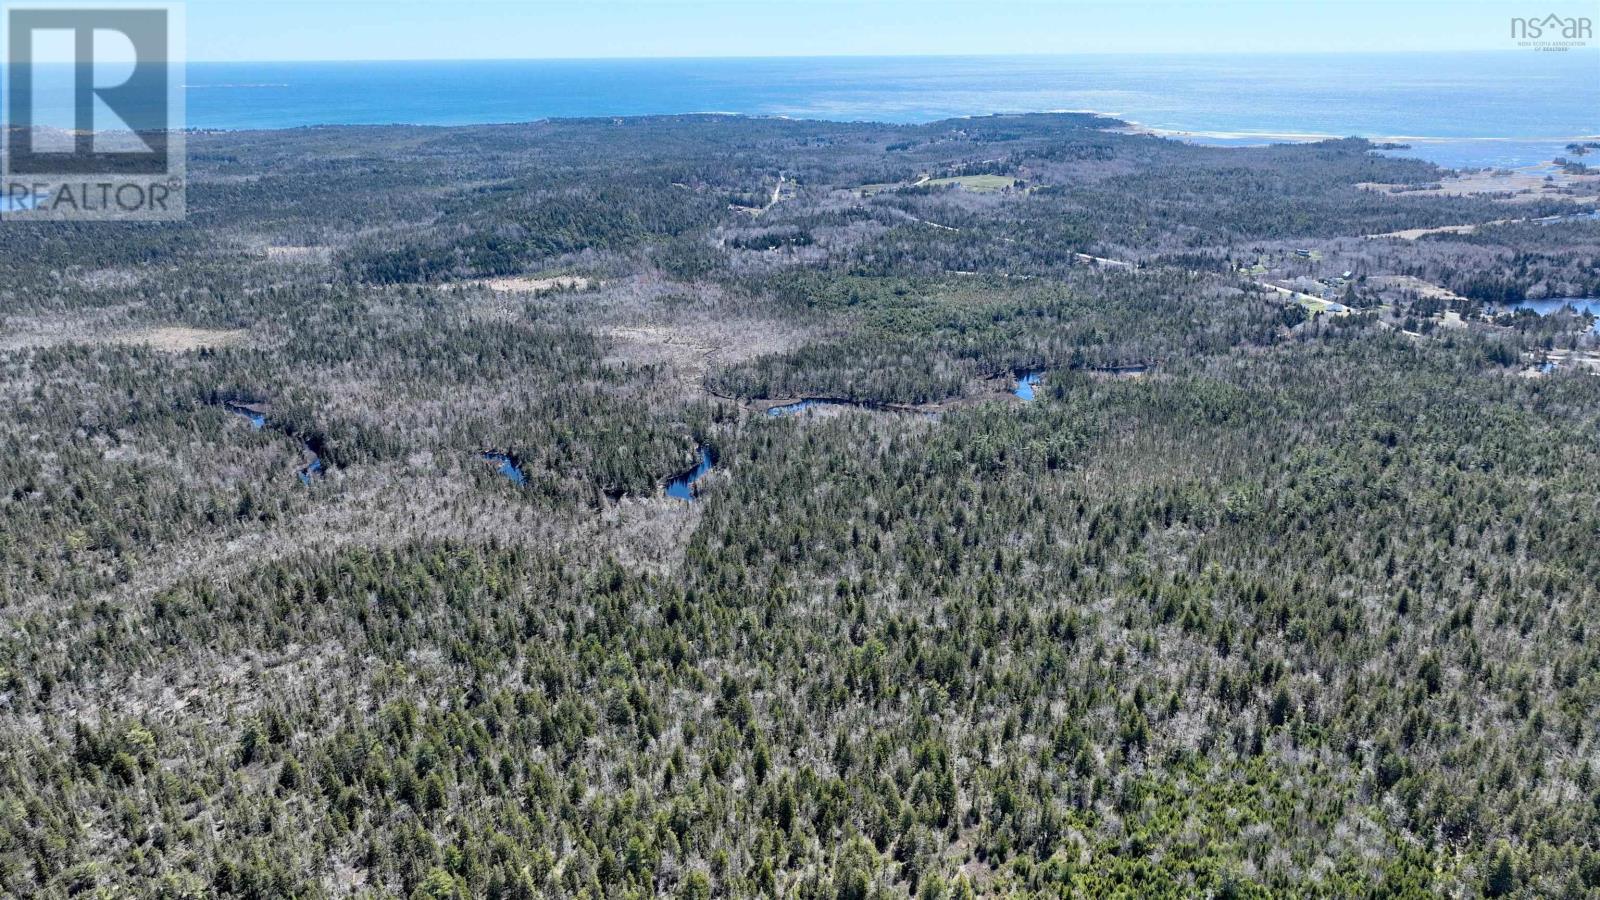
(258, 420)
(682, 487)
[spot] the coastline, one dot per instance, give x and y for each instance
(1136, 127)
(1432, 100)
(1462, 153)
(1509, 153)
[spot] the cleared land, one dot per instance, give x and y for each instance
(982, 184)
(523, 284)
(169, 339)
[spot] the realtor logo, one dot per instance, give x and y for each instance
(1552, 32)
(93, 113)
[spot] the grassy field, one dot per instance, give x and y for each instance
(983, 184)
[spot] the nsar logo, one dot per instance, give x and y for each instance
(1552, 32)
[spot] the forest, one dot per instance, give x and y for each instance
(1280, 585)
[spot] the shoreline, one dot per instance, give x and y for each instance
(1134, 127)
(1115, 121)
(1467, 153)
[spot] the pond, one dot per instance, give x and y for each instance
(789, 409)
(809, 403)
(506, 465)
(312, 468)
(1025, 384)
(1590, 305)
(800, 406)
(682, 487)
(258, 419)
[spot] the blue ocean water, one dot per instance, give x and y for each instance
(1487, 108)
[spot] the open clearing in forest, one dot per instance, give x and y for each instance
(179, 339)
(1418, 287)
(523, 284)
(982, 184)
(169, 339)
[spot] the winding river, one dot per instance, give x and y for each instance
(800, 406)
(682, 487)
(258, 420)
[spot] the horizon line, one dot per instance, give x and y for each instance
(804, 56)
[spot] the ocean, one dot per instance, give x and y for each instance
(1509, 108)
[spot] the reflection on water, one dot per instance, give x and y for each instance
(506, 466)
(258, 420)
(1590, 305)
(1025, 384)
(682, 487)
(255, 413)
(789, 409)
